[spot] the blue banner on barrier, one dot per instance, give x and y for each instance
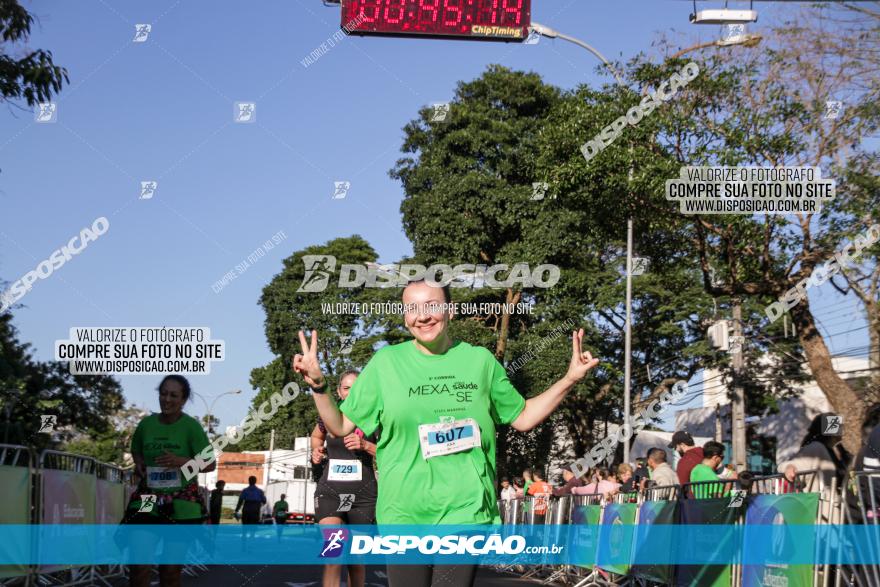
(234, 544)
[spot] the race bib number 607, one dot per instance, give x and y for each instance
(448, 437)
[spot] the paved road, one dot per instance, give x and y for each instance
(310, 576)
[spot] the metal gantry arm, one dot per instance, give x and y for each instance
(553, 34)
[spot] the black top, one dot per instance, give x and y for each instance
(336, 450)
(216, 500)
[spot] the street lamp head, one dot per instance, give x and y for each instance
(544, 31)
(723, 16)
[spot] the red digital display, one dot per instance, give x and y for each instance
(496, 20)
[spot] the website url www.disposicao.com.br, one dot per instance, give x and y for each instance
(454, 544)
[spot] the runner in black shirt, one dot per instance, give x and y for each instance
(346, 492)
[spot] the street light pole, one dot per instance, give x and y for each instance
(209, 410)
(627, 344)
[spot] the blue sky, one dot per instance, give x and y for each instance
(163, 110)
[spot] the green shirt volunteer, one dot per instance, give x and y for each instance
(703, 472)
(184, 438)
(402, 389)
(280, 508)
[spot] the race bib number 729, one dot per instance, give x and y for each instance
(344, 470)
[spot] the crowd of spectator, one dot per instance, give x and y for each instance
(821, 451)
(695, 464)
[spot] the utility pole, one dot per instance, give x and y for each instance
(719, 430)
(738, 408)
(627, 345)
(271, 449)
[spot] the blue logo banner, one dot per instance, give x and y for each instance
(665, 544)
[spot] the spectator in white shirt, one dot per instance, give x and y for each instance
(661, 473)
(508, 492)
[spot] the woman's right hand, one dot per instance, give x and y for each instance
(306, 364)
(317, 455)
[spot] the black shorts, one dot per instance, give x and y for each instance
(431, 575)
(354, 506)
(174, 544)
(132, 516)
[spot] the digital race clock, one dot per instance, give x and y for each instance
(492, 20)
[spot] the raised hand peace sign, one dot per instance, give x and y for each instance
(306, 364)
(581, 361)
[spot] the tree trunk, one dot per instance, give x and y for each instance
(581, 430)
(841, 396)
(873, 312)
(872, 390)
(512, 297)
(500, 348)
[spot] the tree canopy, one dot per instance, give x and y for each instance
(25, 74)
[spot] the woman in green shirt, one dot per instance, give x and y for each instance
(162, 443)
(438, 402)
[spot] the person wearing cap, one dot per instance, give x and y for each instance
(691, 455)
(571, 481)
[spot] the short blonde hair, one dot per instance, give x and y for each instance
(623, 468)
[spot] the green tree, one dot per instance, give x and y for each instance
(766, 107)
(112, 444)
(31, 388)
(757, 107)
(25, 73)
(104, 446)
(289, 310)
(469, 181)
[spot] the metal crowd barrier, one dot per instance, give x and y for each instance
(67, 494)
(806, 499)
(17, 469)
(61, 488)
(110, 501)
(860, 504)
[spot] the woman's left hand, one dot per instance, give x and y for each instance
(171, 461)
(354, 442)
(581, 361)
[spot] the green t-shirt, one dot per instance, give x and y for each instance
(402, 388)
(703, 472)
(185, 438)
(280, 508)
